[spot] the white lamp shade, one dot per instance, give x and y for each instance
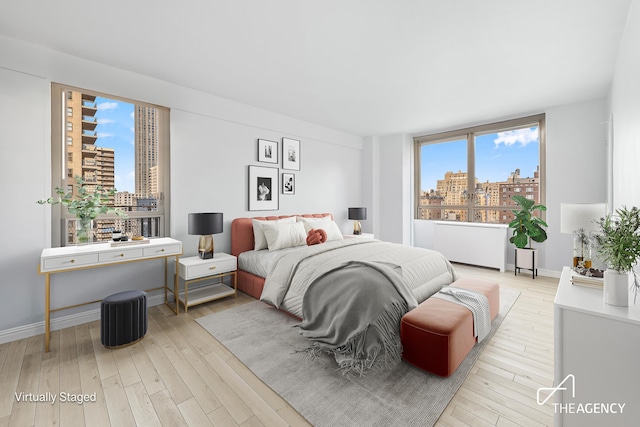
(580, 215)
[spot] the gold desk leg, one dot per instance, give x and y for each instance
(47, 311)
(175, 287)
(175, 309)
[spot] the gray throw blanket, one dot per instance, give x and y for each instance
(353, 312)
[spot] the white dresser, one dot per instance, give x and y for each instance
(599, 345)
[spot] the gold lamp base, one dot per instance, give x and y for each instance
(357, 227)
(205, 246)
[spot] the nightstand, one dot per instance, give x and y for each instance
(359, 236)
(194, 270)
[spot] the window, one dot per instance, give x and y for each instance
(460, 175)
(122, 144)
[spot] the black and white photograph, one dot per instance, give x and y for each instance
(267, 151)
(263, 188)
(288, 183)
(290, 154)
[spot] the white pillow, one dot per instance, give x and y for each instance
(258, 234)
(313, 219)
(332, 229)
(280, 236)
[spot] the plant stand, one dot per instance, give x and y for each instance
(527, 259)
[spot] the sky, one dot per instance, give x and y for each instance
(497, 156)
(115, 130)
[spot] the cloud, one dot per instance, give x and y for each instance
(107, 106)
(104, 135)
(518, 136)
(103, 121)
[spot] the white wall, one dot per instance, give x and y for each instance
(576, 170)
(625, 110)
(395, 171)
(213, 140)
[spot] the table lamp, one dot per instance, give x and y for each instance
(578, 219)
(357, 214)
(205, 224)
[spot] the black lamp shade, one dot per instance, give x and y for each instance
(205, 223)
(357, 213)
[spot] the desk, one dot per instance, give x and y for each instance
(599, 345)
(71, 258)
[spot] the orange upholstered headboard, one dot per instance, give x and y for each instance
(242, 231)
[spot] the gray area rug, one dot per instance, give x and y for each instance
(267, 342)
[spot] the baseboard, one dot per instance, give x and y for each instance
(34, 329)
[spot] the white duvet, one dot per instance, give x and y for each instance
(423, 271)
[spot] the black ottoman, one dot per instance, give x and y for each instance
(123, 318)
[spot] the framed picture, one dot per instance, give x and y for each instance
(288, 183)
(263, 188)
(290, 154)
(267, 151)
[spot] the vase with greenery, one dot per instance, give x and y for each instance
(86, 205)
(526, 226)
(618, 244)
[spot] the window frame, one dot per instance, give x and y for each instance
(470, 133)
(59, 171)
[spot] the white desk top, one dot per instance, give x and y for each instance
(591, 301)
(64, 258)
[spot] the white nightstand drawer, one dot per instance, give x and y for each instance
(121, 255)
(72, 261)
(162, 250)
(209, 268)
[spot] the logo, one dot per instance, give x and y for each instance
(569, 383)
(560, 386)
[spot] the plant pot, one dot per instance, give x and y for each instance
(616, 288)
(526, 258)
(84, 231)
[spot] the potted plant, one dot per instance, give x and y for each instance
(526, 228)
(85, 205)
(618, 247)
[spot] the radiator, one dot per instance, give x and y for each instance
(472, 243)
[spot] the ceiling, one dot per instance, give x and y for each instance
(366, 67)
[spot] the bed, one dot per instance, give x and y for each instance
(339, 288)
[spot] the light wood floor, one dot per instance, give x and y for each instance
(180, 375)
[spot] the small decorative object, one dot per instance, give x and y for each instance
(316, 236)
(267, 151)
(85, 205)
(357, 215)
(288, 183)
(581, 249)
(263, 188)
(116, 235)
(290, 154)
(578, 219)
(526, 228)
(618, 247)
(205, 224)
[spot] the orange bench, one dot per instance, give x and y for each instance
(438, 334)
